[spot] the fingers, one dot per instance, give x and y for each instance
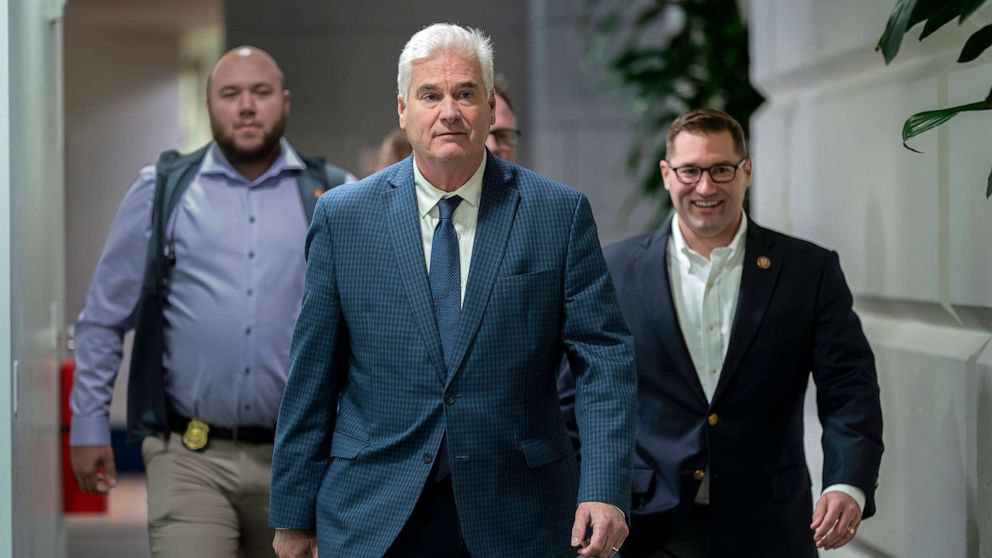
(108, 478)
(609, 529)
(819, 513)
(844, 531)
(830, 515)
(579, 528)
(94, 468)
(839, 525)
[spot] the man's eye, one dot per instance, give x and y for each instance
(430, 97)
(722, 171)
(689, 172)
(466, 95)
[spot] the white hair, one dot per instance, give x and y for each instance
(445, 37)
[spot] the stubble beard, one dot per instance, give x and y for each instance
(267, 150)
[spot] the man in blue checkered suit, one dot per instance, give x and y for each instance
(421, 414)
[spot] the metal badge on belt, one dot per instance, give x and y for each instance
(195, 438)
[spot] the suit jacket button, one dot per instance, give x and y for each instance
(713, 420)
(428, 458)
(449, 398)
(698, 475)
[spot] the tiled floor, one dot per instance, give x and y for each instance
(119, 533)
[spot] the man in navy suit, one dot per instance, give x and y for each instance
(729, 320)
(421, 415)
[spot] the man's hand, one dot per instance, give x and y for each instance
(835, 520)
(295, 543)
(94, 468)
(609, 529)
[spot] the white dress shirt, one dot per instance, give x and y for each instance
(705, 295)
(464, 219)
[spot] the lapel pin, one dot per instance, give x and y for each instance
(764, 262)
(317, 192)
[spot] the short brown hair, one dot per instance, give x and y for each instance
(707, 121)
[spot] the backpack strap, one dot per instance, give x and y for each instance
(318, 177)
(173, 174)
(147, 410)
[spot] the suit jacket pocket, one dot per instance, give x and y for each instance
(346, 446)
(528, 307)
(788, 482)
(547, 448)
(525, 280)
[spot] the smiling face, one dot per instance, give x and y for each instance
(446, 113)
(709, 212)
(248, 105)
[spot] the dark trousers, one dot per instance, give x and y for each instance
(668, 537)
(432, 530)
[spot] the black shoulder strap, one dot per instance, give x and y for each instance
(147, 411)
(318, 177)
(173, 173)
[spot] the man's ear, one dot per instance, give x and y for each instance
(666, 173)
(492, 108)
(401, 111)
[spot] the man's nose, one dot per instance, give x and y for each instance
(449, 109)
(246, 102)
(706, 186)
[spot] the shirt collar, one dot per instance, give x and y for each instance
(686, 255)
(215, 163)
(428, 195)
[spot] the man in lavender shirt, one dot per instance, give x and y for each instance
(235, 278)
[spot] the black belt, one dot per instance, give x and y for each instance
(249, 434)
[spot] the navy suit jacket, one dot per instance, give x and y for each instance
(792, 318)
(368, 398)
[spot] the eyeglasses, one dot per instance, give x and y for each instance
(718, 173)
(506, 136)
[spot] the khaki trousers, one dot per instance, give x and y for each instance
(209, 504)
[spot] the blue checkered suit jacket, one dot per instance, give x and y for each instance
(366, 344)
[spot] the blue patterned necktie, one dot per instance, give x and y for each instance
(446, 278)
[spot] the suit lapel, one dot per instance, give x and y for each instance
(497, 208)
(757, 286)
(400, 207)
(656, 288)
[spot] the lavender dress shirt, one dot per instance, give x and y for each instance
(234, 296)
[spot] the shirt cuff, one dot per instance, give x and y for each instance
(852, 491)
(90, 431)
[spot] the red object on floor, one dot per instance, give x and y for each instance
(74, 500)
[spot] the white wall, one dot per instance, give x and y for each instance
(31, 277)
(912, 232)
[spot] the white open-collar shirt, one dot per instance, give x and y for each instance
(705, 295)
